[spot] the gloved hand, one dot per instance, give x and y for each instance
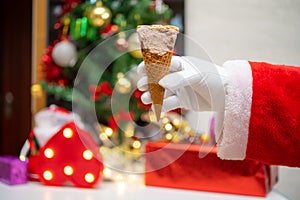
(193, 84)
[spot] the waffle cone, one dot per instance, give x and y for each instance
(157, 66)
(157, 44)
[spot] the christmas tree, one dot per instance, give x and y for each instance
(108, 25)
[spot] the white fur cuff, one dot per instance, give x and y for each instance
(233, 144)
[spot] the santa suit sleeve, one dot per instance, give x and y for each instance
(262, 113)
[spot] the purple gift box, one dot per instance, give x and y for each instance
(13, 171)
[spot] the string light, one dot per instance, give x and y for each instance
(136, 144)
(152, 117)
(123, 85)
(22, 158)
(169, 136)
(36, 90)
(107, 172)
(129, 130)
(120, 75)
(103, 136)
(168, 127)
(205, 137)
(187, 129)
(176, 123)
(108, 131)
(165, 120)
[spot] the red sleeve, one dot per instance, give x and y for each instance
(274, 128)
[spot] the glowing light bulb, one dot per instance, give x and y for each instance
(187, 129)
(107, 172)
(108, 131)
(176, 122)
(103, 136)
(49, 153)
(136, 144)
(68, 133)
(152, 117)
(205, 137)
(165, 120)
(48, 175)
(129, 130)
(87, 154)
(36, 90)
(68, 170)
(129, 133)
(89, 177)
(120, 75)
(22, 158)
(168, 127)
(169, 136)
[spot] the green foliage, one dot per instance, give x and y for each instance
(125, 15)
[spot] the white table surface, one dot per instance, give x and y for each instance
(115, 191)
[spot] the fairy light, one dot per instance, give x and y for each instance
(36, 90)
(68, 133)
(205, 137)
(129, 131)
(169, 136)
(22, 158)
(48, 175)
(103, 136)
(89, 177)
(152, 117)
(120, 75)
(176, 122)
(119, 177)
(108, 131)
(136, 144)
(68, 170)
(107, 172)
(176, 137)
(165, 120)
(49, 153)
(168, 127)
(187, 129)
(87, 154)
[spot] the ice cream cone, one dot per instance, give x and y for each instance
(157, 67)
(157, 44)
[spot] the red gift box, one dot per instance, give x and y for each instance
(179, 166)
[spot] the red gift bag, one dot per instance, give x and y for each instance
(179, 166)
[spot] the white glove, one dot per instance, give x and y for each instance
(193, 84)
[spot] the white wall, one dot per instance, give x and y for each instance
(257, 30)
(261, 30)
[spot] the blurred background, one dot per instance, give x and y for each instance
(251, 30)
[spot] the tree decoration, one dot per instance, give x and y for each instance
(121, 43)
(100, 16)
(80, 27)
(64, 54)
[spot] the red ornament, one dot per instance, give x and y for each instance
(121, 116)
(71, 155)
(52, 72)
(109, 30)
(103, 88)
